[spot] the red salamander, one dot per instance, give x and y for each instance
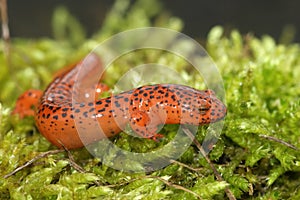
(143, 108)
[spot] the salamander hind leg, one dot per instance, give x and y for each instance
(144, 125)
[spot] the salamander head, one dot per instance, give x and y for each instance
(209, 107)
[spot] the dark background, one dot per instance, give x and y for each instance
(32, 18)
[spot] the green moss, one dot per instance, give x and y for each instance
(261, 81)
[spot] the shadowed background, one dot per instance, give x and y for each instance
(32, 18)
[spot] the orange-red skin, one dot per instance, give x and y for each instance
(60, 119)
(27, 102)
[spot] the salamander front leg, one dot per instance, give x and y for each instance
(144, 125)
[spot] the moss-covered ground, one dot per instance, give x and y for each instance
(257, 153)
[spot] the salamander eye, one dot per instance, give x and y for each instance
(203, 109)
(203, 106)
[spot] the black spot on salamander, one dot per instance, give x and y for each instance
(117, 104)
(173, 97)
(58, 108)
(171, 90)
(55, 117)
(99, 102)
(141, 91)
(82, 105)
(118, 97)
(64, 114)
(77, 110)
(101, 110)
(161, 91)
(85, 114)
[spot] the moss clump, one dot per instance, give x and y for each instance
(261, 79)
